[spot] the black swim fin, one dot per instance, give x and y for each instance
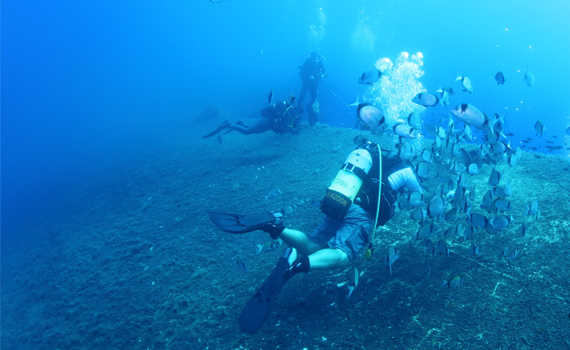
(225, 124)
(242, 223)
(259, 306)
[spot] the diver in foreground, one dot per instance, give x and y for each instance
(281, 117)
(361, 197)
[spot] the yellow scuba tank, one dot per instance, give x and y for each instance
(347, 183)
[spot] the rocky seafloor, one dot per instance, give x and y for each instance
(132, 261)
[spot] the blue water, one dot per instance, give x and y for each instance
(88, 85)
(83, 80)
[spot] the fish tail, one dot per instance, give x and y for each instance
(356, 101)
(457, 76)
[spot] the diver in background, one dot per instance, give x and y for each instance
(343, 234)
(281, 117)
(312, 72)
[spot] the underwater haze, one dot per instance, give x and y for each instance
(87, 85)
(106, 179)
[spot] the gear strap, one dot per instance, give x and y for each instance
(369, 251)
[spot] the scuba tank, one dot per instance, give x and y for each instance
(352, 174)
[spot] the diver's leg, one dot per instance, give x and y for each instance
(257, 128)
(313, 119)
(328, 258)
(299, 241)
(313, 92)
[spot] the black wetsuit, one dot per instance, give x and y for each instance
(368, 195)
(312, 71)
(279, 117)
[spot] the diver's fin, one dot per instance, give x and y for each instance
(259, 306)
(225, 124)
(242, 223)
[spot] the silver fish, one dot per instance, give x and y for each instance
(539, 128)
(422, 170)
(507, 190)
(419, 214)
(474, 250)
(528, 77)
(500, 222)
(500, 78)
(416, 199)
(430, 246)
(470, 115)
(425, 231)
(393, 255)
(495, 178)
(405, 131)
(502, 204)
(405, 151)
(437, 142)
(274, 192)
(354, 284)
(518, 153)
(436, 207)
(468, 232)
(316, 106)
(473, 169)
(370, 115)
(426, 99)
(415, 121)
(442, 247)
(444, 99)
(533, 209)
(478, 220)
(467, 133)
(277, 243)
(441, 133)
(451, 214)
(499, 147)
(454, 282)
(466, 83)
(426, 156)
(370, 77)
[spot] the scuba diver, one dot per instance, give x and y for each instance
(362, 196)
(312, 71)
(281, 117)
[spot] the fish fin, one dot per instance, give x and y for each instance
(356, 102)
(458, 77)
(350, 290)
